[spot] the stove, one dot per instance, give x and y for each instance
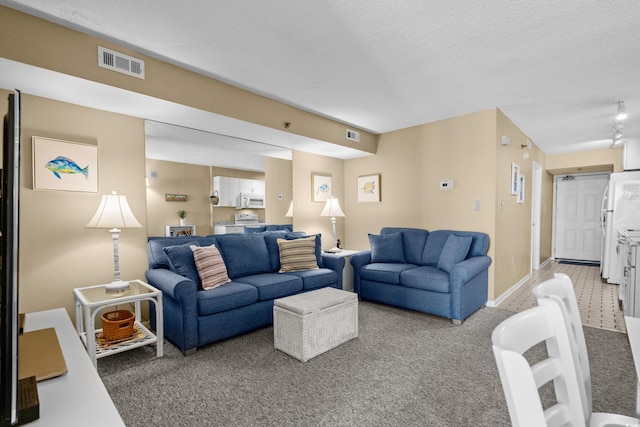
(246, 219)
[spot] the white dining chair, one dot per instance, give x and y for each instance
(560, 289)
(521, 379)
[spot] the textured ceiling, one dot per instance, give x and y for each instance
(556, 69)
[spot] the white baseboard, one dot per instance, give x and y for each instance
(512, 289)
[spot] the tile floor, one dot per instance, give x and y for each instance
(597, 299)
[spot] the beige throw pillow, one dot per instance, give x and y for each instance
(298, 254)
(210, 266)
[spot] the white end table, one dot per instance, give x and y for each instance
(91, 300)
(347, 273)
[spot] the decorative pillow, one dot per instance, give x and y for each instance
(298, 234)
(210, 266)
(298, 254)
(455, 250)
(181, 261)
(387, 248)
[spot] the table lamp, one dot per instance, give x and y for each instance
(332, 209)
(114, 213)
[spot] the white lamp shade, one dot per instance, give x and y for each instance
(332, 208)
(289, 213)
(114, 212)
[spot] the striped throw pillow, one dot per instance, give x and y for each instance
(298, 254)
(210, 266)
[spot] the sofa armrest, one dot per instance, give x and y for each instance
(172, 284)
(336, 264)
(180, 307)
(357, 261)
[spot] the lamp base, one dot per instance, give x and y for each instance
(333, 250)
(117, 285)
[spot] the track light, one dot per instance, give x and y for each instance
(617, 135)
(622, 111)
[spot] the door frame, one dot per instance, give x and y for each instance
(536, 203)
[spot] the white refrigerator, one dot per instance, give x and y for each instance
(620, 211)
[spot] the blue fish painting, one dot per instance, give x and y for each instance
(63, 164)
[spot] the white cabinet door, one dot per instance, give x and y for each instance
(228, 189)
(251, 186)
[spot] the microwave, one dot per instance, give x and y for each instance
(250, 201)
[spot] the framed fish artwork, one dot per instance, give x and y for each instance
(369, 188)
(64, 166)
(321, 188)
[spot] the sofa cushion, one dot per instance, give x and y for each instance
(455, 250)
(231, 295)
(314, 279)
(413, 240)
(384, 272)
(386, 248)
(273, 285)
(210, 266)
(244, 254)
(427, 278)
(155, 249)
(297, 254)
(181, 261)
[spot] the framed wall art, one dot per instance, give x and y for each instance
(369, 188)
(515, 172)
(321, 188)
(64, 166)
(520, 188)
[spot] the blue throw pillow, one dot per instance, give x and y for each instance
(454, 251)
(181, 261)
(387, 248)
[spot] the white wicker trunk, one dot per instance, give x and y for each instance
(308, 324)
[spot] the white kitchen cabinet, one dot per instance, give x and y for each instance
(252, 186)
(227, 189)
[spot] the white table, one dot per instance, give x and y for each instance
(91, 300)
(347, 273)
(78, 397)
(633, 333)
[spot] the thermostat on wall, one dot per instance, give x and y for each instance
(446, 184)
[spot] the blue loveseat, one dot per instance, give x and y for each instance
(194, 317)
(441, 272)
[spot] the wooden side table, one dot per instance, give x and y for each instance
(91, 300)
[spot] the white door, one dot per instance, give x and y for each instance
(536, 195)
(578, 205)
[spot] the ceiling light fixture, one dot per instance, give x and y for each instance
(622, 111)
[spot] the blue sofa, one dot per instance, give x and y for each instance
(441, 272)
(194, 317)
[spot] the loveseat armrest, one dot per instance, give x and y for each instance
(357, 261)
(336, 264)
(469, 268)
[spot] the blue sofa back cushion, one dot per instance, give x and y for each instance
(387, 248)
(455, 250)
(413, 241)
(437, 239)
(244, 254)
(182, 262)
(155, 249)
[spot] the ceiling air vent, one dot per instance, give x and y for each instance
(116, 61)
(352, 135)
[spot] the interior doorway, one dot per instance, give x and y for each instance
(577, 216)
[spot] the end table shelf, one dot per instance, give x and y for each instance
(91, 300)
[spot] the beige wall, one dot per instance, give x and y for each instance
(57, 252)
(306, 213)
(279, 190)
(33, 41)
(177, 178)
(586, 161)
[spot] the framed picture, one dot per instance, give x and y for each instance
(369, 188)
(520, 188)
(64, 166)
(515, 172)
(321, 188)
